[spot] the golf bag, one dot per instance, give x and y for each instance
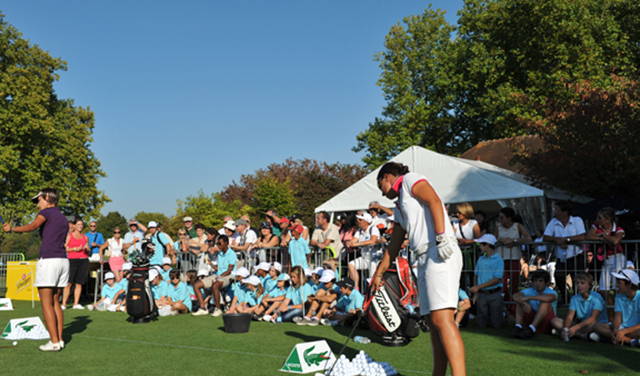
(385, 310)
(140, 303)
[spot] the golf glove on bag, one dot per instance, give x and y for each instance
(446, 248)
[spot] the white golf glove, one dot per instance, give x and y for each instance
(446, 248)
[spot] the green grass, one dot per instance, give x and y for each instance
(103, 343)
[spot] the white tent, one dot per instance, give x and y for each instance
(457, 180)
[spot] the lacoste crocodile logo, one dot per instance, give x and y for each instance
(314, 359)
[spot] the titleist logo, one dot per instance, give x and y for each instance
(384, 308)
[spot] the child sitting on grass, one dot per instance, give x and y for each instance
(158, 287)
(461, 313)
(585, 309)
(121, 299)
(271, 281)
(178, 297)
(348, 307)
(252, 298)
(535, 307)
(272, 301)
(626, 314)
(326, 294)
(109, 293)
(165, 269)
(238, 290)
(294, 301)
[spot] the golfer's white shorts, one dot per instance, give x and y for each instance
(438, 280)
(53, 272)
(361, 263)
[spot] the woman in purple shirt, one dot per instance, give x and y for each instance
(52, 268)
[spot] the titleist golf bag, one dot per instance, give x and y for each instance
(140, 304)
(385, 310)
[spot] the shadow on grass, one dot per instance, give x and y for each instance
(78, 325)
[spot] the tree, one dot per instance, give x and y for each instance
(209, 210)
(312, 183)
(145, 218)
(273, 194)
(44, 141)
(106, 224)
(591, 143)
(448, 93)
(25, 243)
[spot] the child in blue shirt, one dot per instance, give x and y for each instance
(166, 269)
(298, 248)
(294, 301)
(462, 316)
(108, 294)
(349, 305)
(252, 299)
(326, 294)
(487, 289)
(536, 307)
(158, 287)
(626, 314)
(586, 309)
(238, 289)
(272, 301)
(178, 297)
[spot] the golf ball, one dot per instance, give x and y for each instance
(15, 343)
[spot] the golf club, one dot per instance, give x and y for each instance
(348, 338)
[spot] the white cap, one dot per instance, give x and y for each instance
(307, 272)
(166, 261)
(253, 280)
(264, 266)
(127, 266)
(487, 238)
(327, 276)
(629, 275)
(153, 273)
(277, 266)
(109, 275)
(152, 224)
(318, 270)
(230, 225)
(242, 272)
(203, 272)
(365, 216)
(187, 219)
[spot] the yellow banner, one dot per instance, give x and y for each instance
(21, 276)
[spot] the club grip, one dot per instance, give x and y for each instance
(1, 220)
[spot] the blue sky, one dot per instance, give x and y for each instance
(191, 95)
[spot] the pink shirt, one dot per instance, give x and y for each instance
(77, 243)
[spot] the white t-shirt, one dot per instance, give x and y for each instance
(371, 231)
(248, 237)
(415, 217)
(115, 247)
(467, 229)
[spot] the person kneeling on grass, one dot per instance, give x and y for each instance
(585, 307)
(293, 302)
(272, 301)
(348, 307)
(326, 294)
(626, 314)
(536, 307)
(178, 298)
(109, 292)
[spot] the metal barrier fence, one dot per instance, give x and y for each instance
(4, 259)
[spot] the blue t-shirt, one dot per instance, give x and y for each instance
(110, 292)
(489, 268)
(462, 295)
(269, 284)
(299, 249)
(584, 308)
(226, 259)
(298, 295)
(275, 292)
(180, 292)
(95, 238)
(252, 299)
(351, 302)
(535, 304)
(160, 290)
(124, 284)
(165, 274)
(630, 309)
(128, 238)
(158, 255)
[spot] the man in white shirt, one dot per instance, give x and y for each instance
(564, 230)
(245, 239)
(326, 235)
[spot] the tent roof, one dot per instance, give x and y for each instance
(455, 179)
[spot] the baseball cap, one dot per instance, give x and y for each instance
(166, 261)
(277, 266)
(242, 272)
(318, 270)
(297, 228)
(327, 276)
(307, 272)
(265, 224)
(253, 280)
(487, 238)
(153, 273)
(35, 198)
(346, 282)
(230, 225)
(264, 266)
(240, 222)
(628, 275)
(109, 275)
(365, 216)
(203, 272)
(284, 220)
(284, 277)
(187, 219)
(127, 266)
(296, 217)
(133, 221)
(152, 224)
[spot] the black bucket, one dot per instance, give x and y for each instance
(236, 322)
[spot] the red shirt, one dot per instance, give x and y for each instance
(610, 250)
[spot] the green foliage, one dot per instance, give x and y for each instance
(273, 194)
(106, 224)
(448, 94)
(209, 210)
(26, 243)
(44, 140)
(144, 218)
(591, 143)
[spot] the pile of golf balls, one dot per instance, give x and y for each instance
(362, 365)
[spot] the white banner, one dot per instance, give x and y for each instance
(5, 304)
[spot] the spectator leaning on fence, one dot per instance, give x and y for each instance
(565, 230)
(326, 235)
(510, 232)
(366, 239)
(226, 220)
(466, 227)
(188, 227)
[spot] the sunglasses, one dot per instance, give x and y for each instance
(182, 234)
(219, 243)
(116, 232)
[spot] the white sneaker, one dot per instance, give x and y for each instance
(77, 306)
(326, 322)
(64, 308)
(200, 312)
(175, 313)
(313, 321)
(217, 312)
(50, 346)
(121, 309)
(61, 343)
(300, 320)
(594, 337)
(90, 307)
(266, 318)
